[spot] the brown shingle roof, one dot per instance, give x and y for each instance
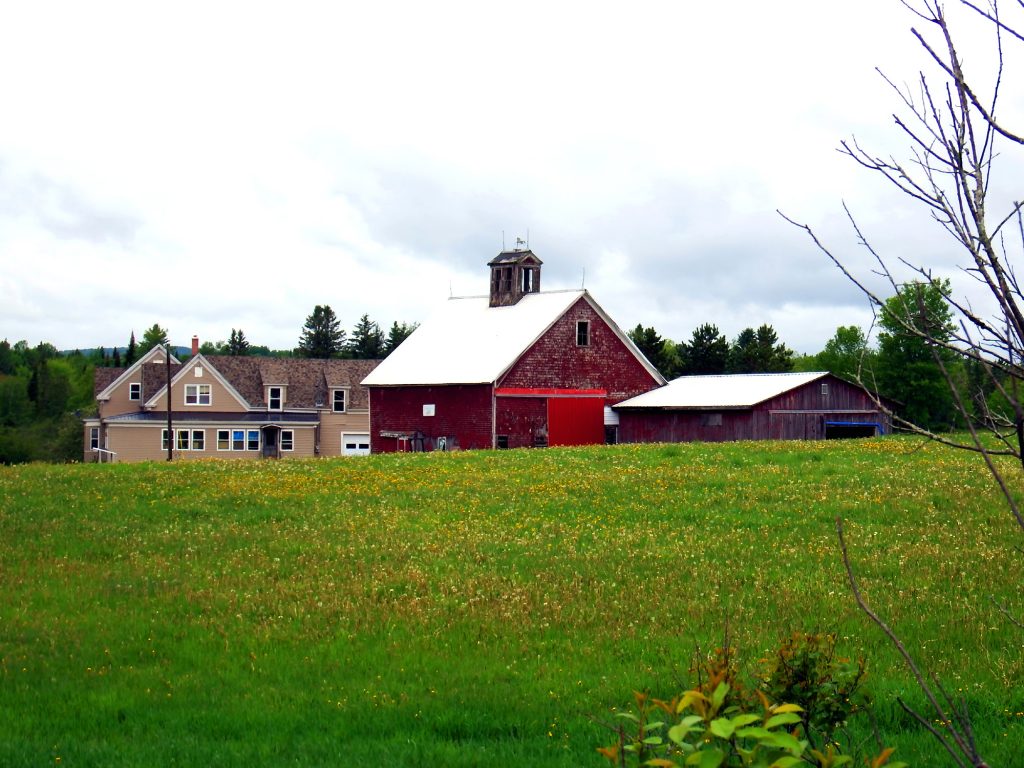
(104, 377)
(308, 380)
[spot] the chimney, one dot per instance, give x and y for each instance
(195, 346)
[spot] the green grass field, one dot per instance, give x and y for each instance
(475, 609)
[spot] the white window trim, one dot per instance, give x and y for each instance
(259, 440)
(280, 398)
(344, 392)
(202, 439)
(135, 390)
(197, 390)
(94, 438)
(228, 433)
(291, 439)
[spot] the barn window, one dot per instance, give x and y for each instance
(582, 333)
(711, 420)
(824, 389)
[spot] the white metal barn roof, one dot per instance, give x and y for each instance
(741, 390)
(470, 342)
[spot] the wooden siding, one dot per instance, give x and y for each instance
(555, 361)
(462, 411)
(522, 419)
(333, 425)
(142, 442)
(221, 398)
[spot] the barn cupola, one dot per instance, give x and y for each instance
(513, 275)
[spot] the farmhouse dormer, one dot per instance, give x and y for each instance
(513, 275)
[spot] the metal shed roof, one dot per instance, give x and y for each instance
(742, 390)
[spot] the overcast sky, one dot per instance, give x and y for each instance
(212, 166)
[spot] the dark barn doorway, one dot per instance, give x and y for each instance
(846, 430)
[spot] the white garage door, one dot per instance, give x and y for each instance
(355, 444)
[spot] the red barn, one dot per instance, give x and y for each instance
(519, 367)
(765, 406)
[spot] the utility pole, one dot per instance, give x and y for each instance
(170, 432)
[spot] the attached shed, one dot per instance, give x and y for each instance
(767, 406)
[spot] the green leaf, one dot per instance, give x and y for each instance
(706, 758)
(678, 733)
(653, 727)
(784, 741)
(786, 761)
(628, 716)
(653, 741)
(722, 728)
(784, 719)
(753, 733)
(741, 720)
(719, 695)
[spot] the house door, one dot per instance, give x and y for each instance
(270, 439)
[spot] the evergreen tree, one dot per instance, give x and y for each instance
(743, 352)
(117, 358)
(397, 334)
(131, 352)
(907, 370)
(152, 337)
(367, 342)
(759, 352)
(322, 336)
(6, 358)
(707, 352)
(238, 345)
(652, 345)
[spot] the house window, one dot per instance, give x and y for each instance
(287, 440)
(275, 397)
(163, 439)
(582, 333)
(94, 438)
(197, 394)
(339, 401)
(252, 440)
(198, 440)
(183, 440)
(238, 440)
(135, 391)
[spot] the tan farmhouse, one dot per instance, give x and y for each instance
(230, 408)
